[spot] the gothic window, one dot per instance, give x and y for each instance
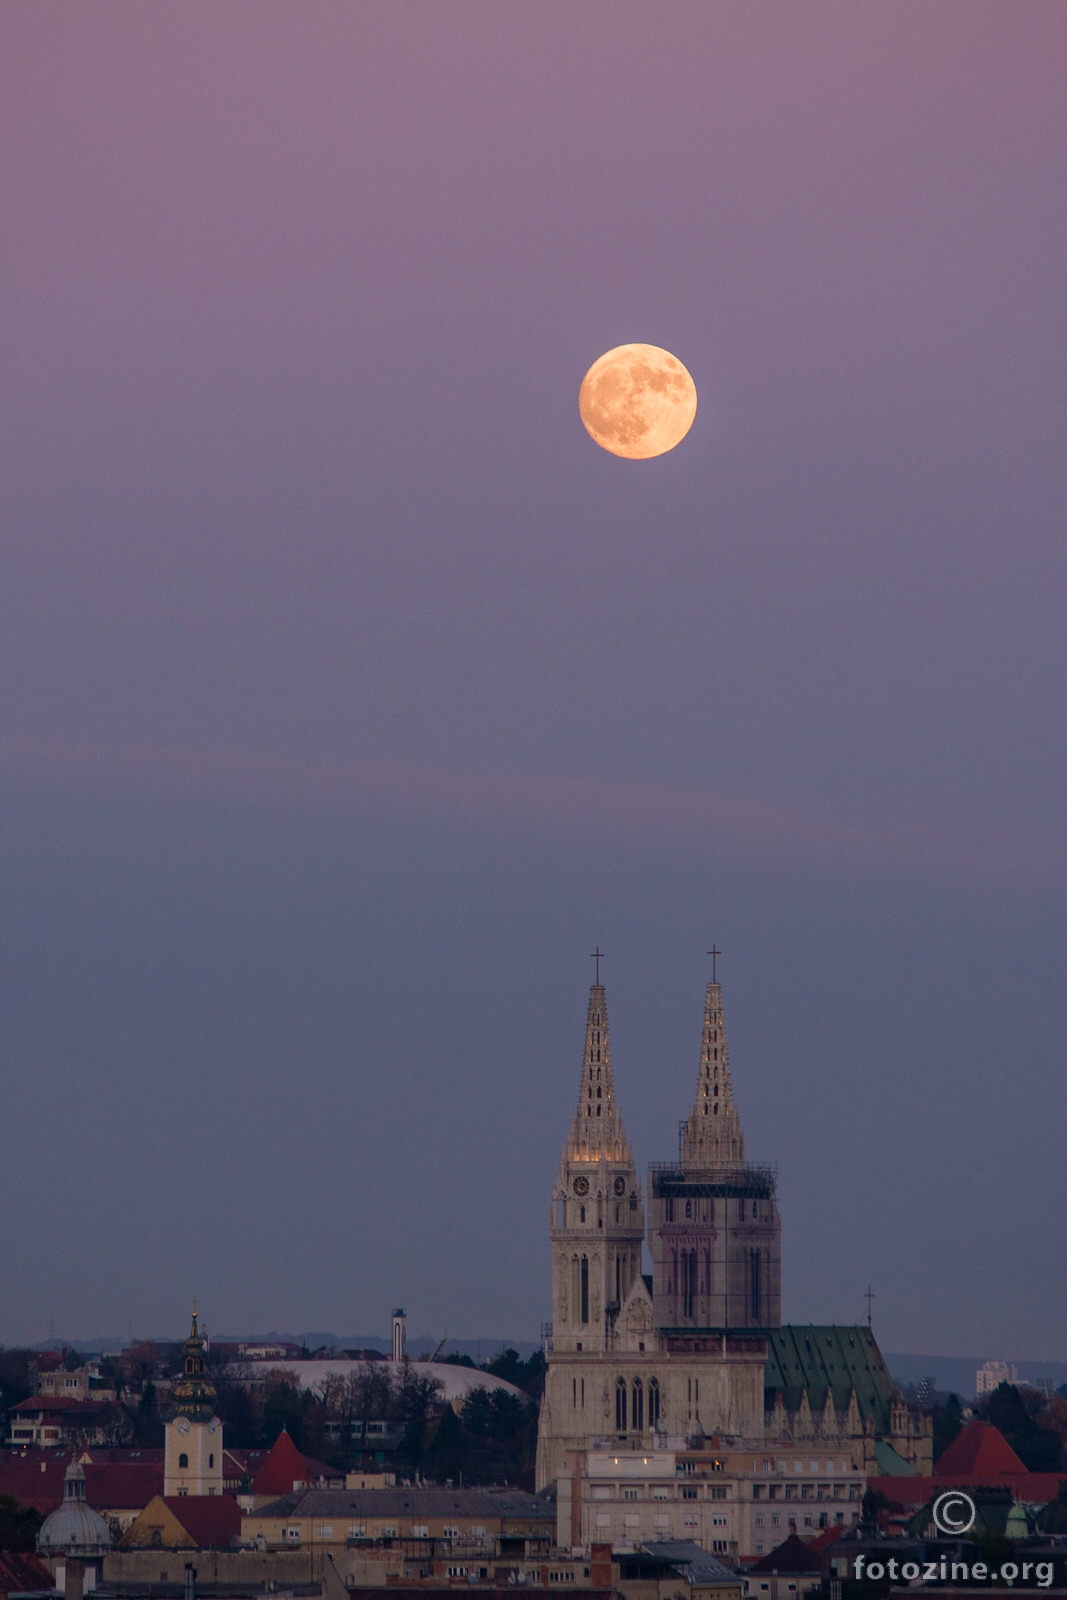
(637, 1401)
(585, 1288)
(653, 1402)
(689, 1283)
(670, 1211)
(561, 1211)
(183, 1461)
(581, 1214)
(598, 1094)
(618, 1271)
(598, 1111)
(754, 1259)
(620, 1405)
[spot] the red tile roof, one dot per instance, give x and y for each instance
(979, 1451)
(1037, 1488)
(21, 1572)
(212, 1521)
(35, 1478)
(284, 1467)
(793, 1555)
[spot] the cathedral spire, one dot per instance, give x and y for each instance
(597, 1133)
(712, 1135)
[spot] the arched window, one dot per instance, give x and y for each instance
(637, 1404)
(561, 1210)
(585, 1288)
(183, 1462)
(653, 1402)
(211, 1461)
(620, 1405)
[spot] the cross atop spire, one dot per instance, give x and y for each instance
(597, 956)
(712, 1134)
(714, 953)
(597, 1133)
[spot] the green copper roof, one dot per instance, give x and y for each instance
(841, 1359)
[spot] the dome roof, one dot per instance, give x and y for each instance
(74, 1528)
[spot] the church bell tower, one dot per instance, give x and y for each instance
(192, 1462)
(597, 1223)
(713, 1222)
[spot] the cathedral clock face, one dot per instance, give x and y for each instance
(581, 1185)
(620, 1185)
(213, 1425)
(182, 1424)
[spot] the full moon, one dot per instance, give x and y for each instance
(637, 401)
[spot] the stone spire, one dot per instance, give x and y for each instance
(712, 1134)
(597, 1133)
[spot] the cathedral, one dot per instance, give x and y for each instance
(695, 1352)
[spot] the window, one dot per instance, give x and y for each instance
(183, 1462)
(387, 1531)
(420, 1530)
(717, 1491)
(585, 1287)
(718, 1522)
(211, 1460)
(478, 1530)
(659, 1492)
(324, 1530)
(653, 1403)
(719, 1546)
(758, 1521)
(632, 1519)
(689, 1491)
(620, 1405)
(357, 1530)
(691, 1521)
(449, 1533)
(637, 1415)
(458, 1572)
(629, 1494)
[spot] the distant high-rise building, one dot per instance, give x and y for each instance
(992, 1374)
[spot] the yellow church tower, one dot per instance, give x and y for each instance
(192, 1461)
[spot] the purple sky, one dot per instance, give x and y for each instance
(351, 694)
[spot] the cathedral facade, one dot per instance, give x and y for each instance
(695, 1351)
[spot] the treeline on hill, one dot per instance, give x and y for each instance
(1034, 1424)
(491, 1438)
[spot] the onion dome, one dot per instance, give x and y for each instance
(74, 1529)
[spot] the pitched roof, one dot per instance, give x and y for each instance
(821, 1358)
(212, 1521)
(35, 1478)
(691, 1560)
(793, 1555)
(20, 1572)
(284, 1467)
(980, 1450)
